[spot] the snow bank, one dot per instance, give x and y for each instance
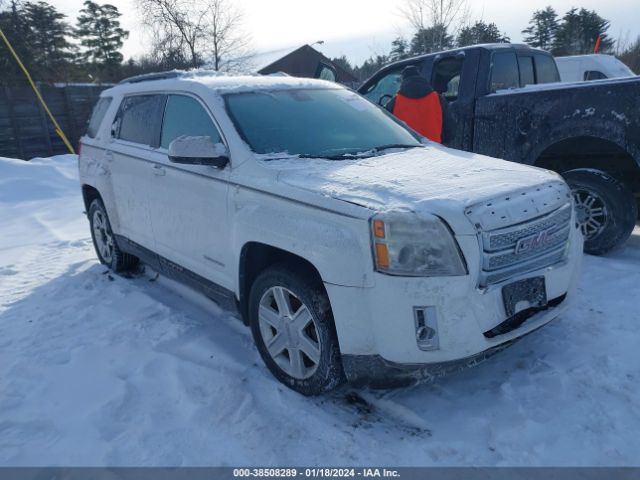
(53, 177)
(97, 369)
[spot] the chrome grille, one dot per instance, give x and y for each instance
(507, 237)
(525, 247)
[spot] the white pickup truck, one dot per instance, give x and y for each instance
(354, 249)
(582, 68)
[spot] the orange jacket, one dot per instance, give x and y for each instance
(423, 114)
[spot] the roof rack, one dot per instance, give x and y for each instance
(152, 76)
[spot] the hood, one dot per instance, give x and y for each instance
(434, 179)
(415, 87)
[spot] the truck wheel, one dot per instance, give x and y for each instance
(606, 209)
(292, 326)
(104, 241)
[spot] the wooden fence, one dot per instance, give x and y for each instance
(25, 130)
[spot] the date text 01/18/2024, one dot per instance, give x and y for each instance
(315, 472)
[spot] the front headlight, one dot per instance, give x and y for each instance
(405, 244)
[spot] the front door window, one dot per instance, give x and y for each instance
(186, 116)
(385, 88)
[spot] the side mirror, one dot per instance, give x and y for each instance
(198, 151)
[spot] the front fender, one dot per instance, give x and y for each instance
(337, 245)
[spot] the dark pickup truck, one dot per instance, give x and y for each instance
(506, 101)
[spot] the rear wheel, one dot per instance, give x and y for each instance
(104, 240)
(292, 326)
(606, 209)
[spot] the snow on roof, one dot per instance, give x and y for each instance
(220, 82)
(261, 82)
(586, 55)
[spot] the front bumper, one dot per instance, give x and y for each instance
(376, 372)
(376, 326)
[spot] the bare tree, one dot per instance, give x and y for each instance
(439, 19)
(228, 45)
(176, 24)
(196, 31)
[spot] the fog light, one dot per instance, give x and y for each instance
(426, 328)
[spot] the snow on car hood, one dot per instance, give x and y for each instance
(432, 179)
(412, 177)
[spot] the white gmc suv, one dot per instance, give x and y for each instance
(354, 249)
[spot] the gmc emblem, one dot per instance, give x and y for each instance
(534, 242)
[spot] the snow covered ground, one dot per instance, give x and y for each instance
(96, 369)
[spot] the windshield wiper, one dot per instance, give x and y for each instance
(359, 154)
(394, 145)
(340, 156)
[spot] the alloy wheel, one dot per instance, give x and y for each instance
(591, 212)
(103, 236)
(289, 332)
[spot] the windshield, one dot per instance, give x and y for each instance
(326, 123)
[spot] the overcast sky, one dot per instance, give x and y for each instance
(360, 28)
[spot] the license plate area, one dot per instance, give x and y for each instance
(524, 294)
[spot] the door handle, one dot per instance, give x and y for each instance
(159, 171)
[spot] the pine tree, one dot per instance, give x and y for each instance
(15, 27)
(631, 56)
(579, 31)
(399, 49)
(481, 32)
(101, 37)
(370, 66)
(343, 62)
(542, 29)
(46, 33)
(431, 39)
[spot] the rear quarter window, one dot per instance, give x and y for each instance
(99, 111)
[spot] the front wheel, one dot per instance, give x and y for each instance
(606, 210)
(292, 326)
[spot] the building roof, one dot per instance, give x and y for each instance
(257, 62)
(302, 61)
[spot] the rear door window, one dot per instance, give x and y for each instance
(186, 116)
(546, 69)
(99, 111)
(504, 71)
(527, 75)
(138, 118)
(446, 77)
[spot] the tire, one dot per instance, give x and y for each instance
(606, 209)
(289, 311)
(104, 241)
